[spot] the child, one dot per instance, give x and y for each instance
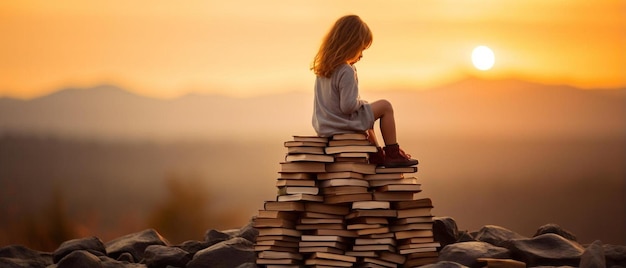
(338, 107)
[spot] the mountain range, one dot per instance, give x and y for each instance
(508, 108)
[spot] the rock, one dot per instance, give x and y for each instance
(500, 263)
(91, 244)
(555, 229)
(615, 255)
(161, 256)
(125, 257)
(248, 265)
(108, 262)
(546, 249)
(213, 237)
(135, 244)
(465, 236)
(593, 256)
(467, 253)
(20, 256)
(445, 230)
(79, 259)
(496, 235)
(444, 264)
(248, 232)
(225, 254)
(193, 246)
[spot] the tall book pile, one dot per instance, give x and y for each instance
(335, 209)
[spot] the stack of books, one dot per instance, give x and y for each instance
(334, 209)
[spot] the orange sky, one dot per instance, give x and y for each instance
(166, 48)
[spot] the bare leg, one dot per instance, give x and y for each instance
(371, 136)
(382, 109)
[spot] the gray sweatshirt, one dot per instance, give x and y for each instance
(337, 106)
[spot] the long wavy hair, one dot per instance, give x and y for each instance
(345, 40)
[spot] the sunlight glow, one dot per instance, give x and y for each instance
(483, 58)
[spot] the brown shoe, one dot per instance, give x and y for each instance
(396, 157)
(377, 158)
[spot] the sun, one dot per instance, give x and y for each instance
(483, 58)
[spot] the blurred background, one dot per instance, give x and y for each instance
(117, 116)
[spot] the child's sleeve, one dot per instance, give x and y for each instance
(349, 101)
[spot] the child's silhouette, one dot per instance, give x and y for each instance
(338, 107)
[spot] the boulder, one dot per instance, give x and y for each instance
(125, 257)
(79, 259)
(108, 262)
(593, 256)
(135, 244)
(465, 236)
(193, 246)
(248, 232)
(213, 237)
(555, 229)
(615, 255)
(225, 254)
(157, 256)
(20, 256)
(91, 244)
(546, 249)
(444, 264)
(467, 253)
(445, 230)
(496, 235)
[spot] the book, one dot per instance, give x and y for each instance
(384, 176)
(375, 241)
(317, 215)
(279, 255)
(330, 256)
(414, 212)
(299, 167)
(357, 226)
(339, 190)
(274, 214)
(305, 150)
(261, 222)
(424, 219)
(325, 262)
(304, 143)
(362, 168)
(339, 175)
(420, 261)
(412, 226)
(309, 158)
(415, 250)
(381, 247)
(332, 238)
(393, 196)
(349, 136)
(370, 231)
(280, 262)
(371, 213)
(420, 245)
(286, 244)
(378, 183)
(330, 244)
(371, 205)
(283, 206)
(344, 182)
(320, 220)
(320, 249)
(298, 183)
(330, 226)
(296, 176)
(349, 142)
(392, 257)
(347, 198)
(413, 233)
(328, 209)
(342, 233)
(362, 254)
(275, 248)
(418, 203)
(279, 231)
(300, 197)
(280, 238)
(380, 262)
(369, 220)
(412, 169)
(310, 138)
(351, 149)
(415, 188)
(297, 190)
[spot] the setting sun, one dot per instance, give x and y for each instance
(483, 58)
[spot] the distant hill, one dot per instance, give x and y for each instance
(469, 107)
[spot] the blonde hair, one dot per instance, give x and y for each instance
(345, 40)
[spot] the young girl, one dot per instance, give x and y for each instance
(338, 107)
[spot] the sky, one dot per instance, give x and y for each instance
(167, 49)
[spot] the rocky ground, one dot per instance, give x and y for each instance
(551, 246)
